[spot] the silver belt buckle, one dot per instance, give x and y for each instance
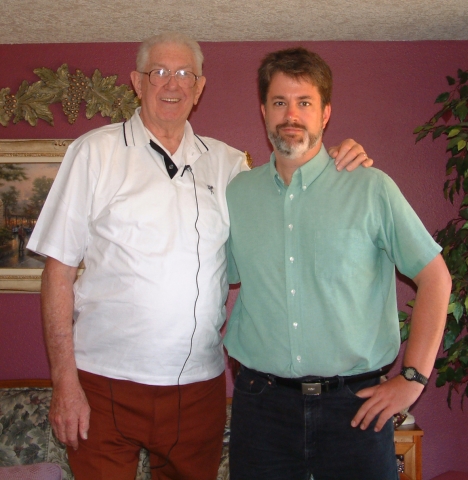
(311, 388)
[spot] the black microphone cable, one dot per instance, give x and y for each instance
(166, 461)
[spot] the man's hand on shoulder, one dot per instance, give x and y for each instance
(69, 412)
(385, 400)
(349, 154)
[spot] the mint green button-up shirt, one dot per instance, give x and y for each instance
(316, 261)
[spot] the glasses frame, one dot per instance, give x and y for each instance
(170, 75)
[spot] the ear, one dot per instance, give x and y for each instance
(262, 108)
(136, 81)
(199, 86)
(326, 115)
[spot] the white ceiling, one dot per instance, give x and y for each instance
(76, 21)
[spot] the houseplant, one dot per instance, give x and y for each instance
(451, 122)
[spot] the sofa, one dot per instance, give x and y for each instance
(26, 436)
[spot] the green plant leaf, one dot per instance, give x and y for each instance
(441, 380)
(453, 131)
(404, 332)
(449, 339)
(461, 110)
(443, 97)
(421, 135)
(438, 132)
(453, 142)
(402, 316)
(450, 80)
(450, 374)
(440, 363)
(462, 75)
(458, 377)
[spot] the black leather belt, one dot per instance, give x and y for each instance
(316, 385)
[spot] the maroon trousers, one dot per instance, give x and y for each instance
(184, 442)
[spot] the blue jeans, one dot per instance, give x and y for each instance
(277, 433)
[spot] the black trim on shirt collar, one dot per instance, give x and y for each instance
(201, 141)
(126, 143)
(125, 135)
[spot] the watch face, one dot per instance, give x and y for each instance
(410, 373)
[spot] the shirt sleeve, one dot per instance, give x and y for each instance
(239, 166)
(403, 236)
(61, 231)
(232, 272)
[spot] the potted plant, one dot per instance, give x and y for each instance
(451, 122)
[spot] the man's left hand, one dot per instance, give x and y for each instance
(385, 400)
(349, 154)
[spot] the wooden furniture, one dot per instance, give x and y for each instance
(408, 439)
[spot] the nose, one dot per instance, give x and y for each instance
(172, 82)
(291, 113)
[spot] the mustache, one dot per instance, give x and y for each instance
(290, 124)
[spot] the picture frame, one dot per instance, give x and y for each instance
(18, 152)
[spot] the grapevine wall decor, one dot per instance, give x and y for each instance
(31, 102)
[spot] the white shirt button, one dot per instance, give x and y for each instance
(295, 324)
(291, 259)
(298, 358)
(293, 292)
(304, 187)
(290, 226)
(291, 196)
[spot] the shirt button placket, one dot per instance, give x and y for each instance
(291, 272)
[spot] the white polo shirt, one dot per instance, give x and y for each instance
(154, 287)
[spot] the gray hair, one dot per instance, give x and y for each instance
(168, 37)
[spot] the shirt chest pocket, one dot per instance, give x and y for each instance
(344, 254)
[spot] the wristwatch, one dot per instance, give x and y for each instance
(411, 374)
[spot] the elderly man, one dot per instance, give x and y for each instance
(315, 323)
(134, 345)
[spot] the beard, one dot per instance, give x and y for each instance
(290, 147)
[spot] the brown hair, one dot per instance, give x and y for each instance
(298, 63)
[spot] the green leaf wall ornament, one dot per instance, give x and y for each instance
(100, 94)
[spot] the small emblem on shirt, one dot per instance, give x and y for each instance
(211, 189)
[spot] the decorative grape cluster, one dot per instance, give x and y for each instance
(77, 86)
(10, 104)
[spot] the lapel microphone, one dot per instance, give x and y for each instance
(187, 167)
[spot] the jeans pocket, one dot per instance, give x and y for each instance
(249, 383)
(351, 389)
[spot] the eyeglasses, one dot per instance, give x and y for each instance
(161, 76)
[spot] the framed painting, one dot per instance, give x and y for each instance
(27, 171)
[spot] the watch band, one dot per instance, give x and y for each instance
(412, 375)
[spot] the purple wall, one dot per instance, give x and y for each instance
(382, 92)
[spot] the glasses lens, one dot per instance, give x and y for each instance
(161, 76)
(185, 78)
(158, 77)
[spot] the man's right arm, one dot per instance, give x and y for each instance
(69, 409)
